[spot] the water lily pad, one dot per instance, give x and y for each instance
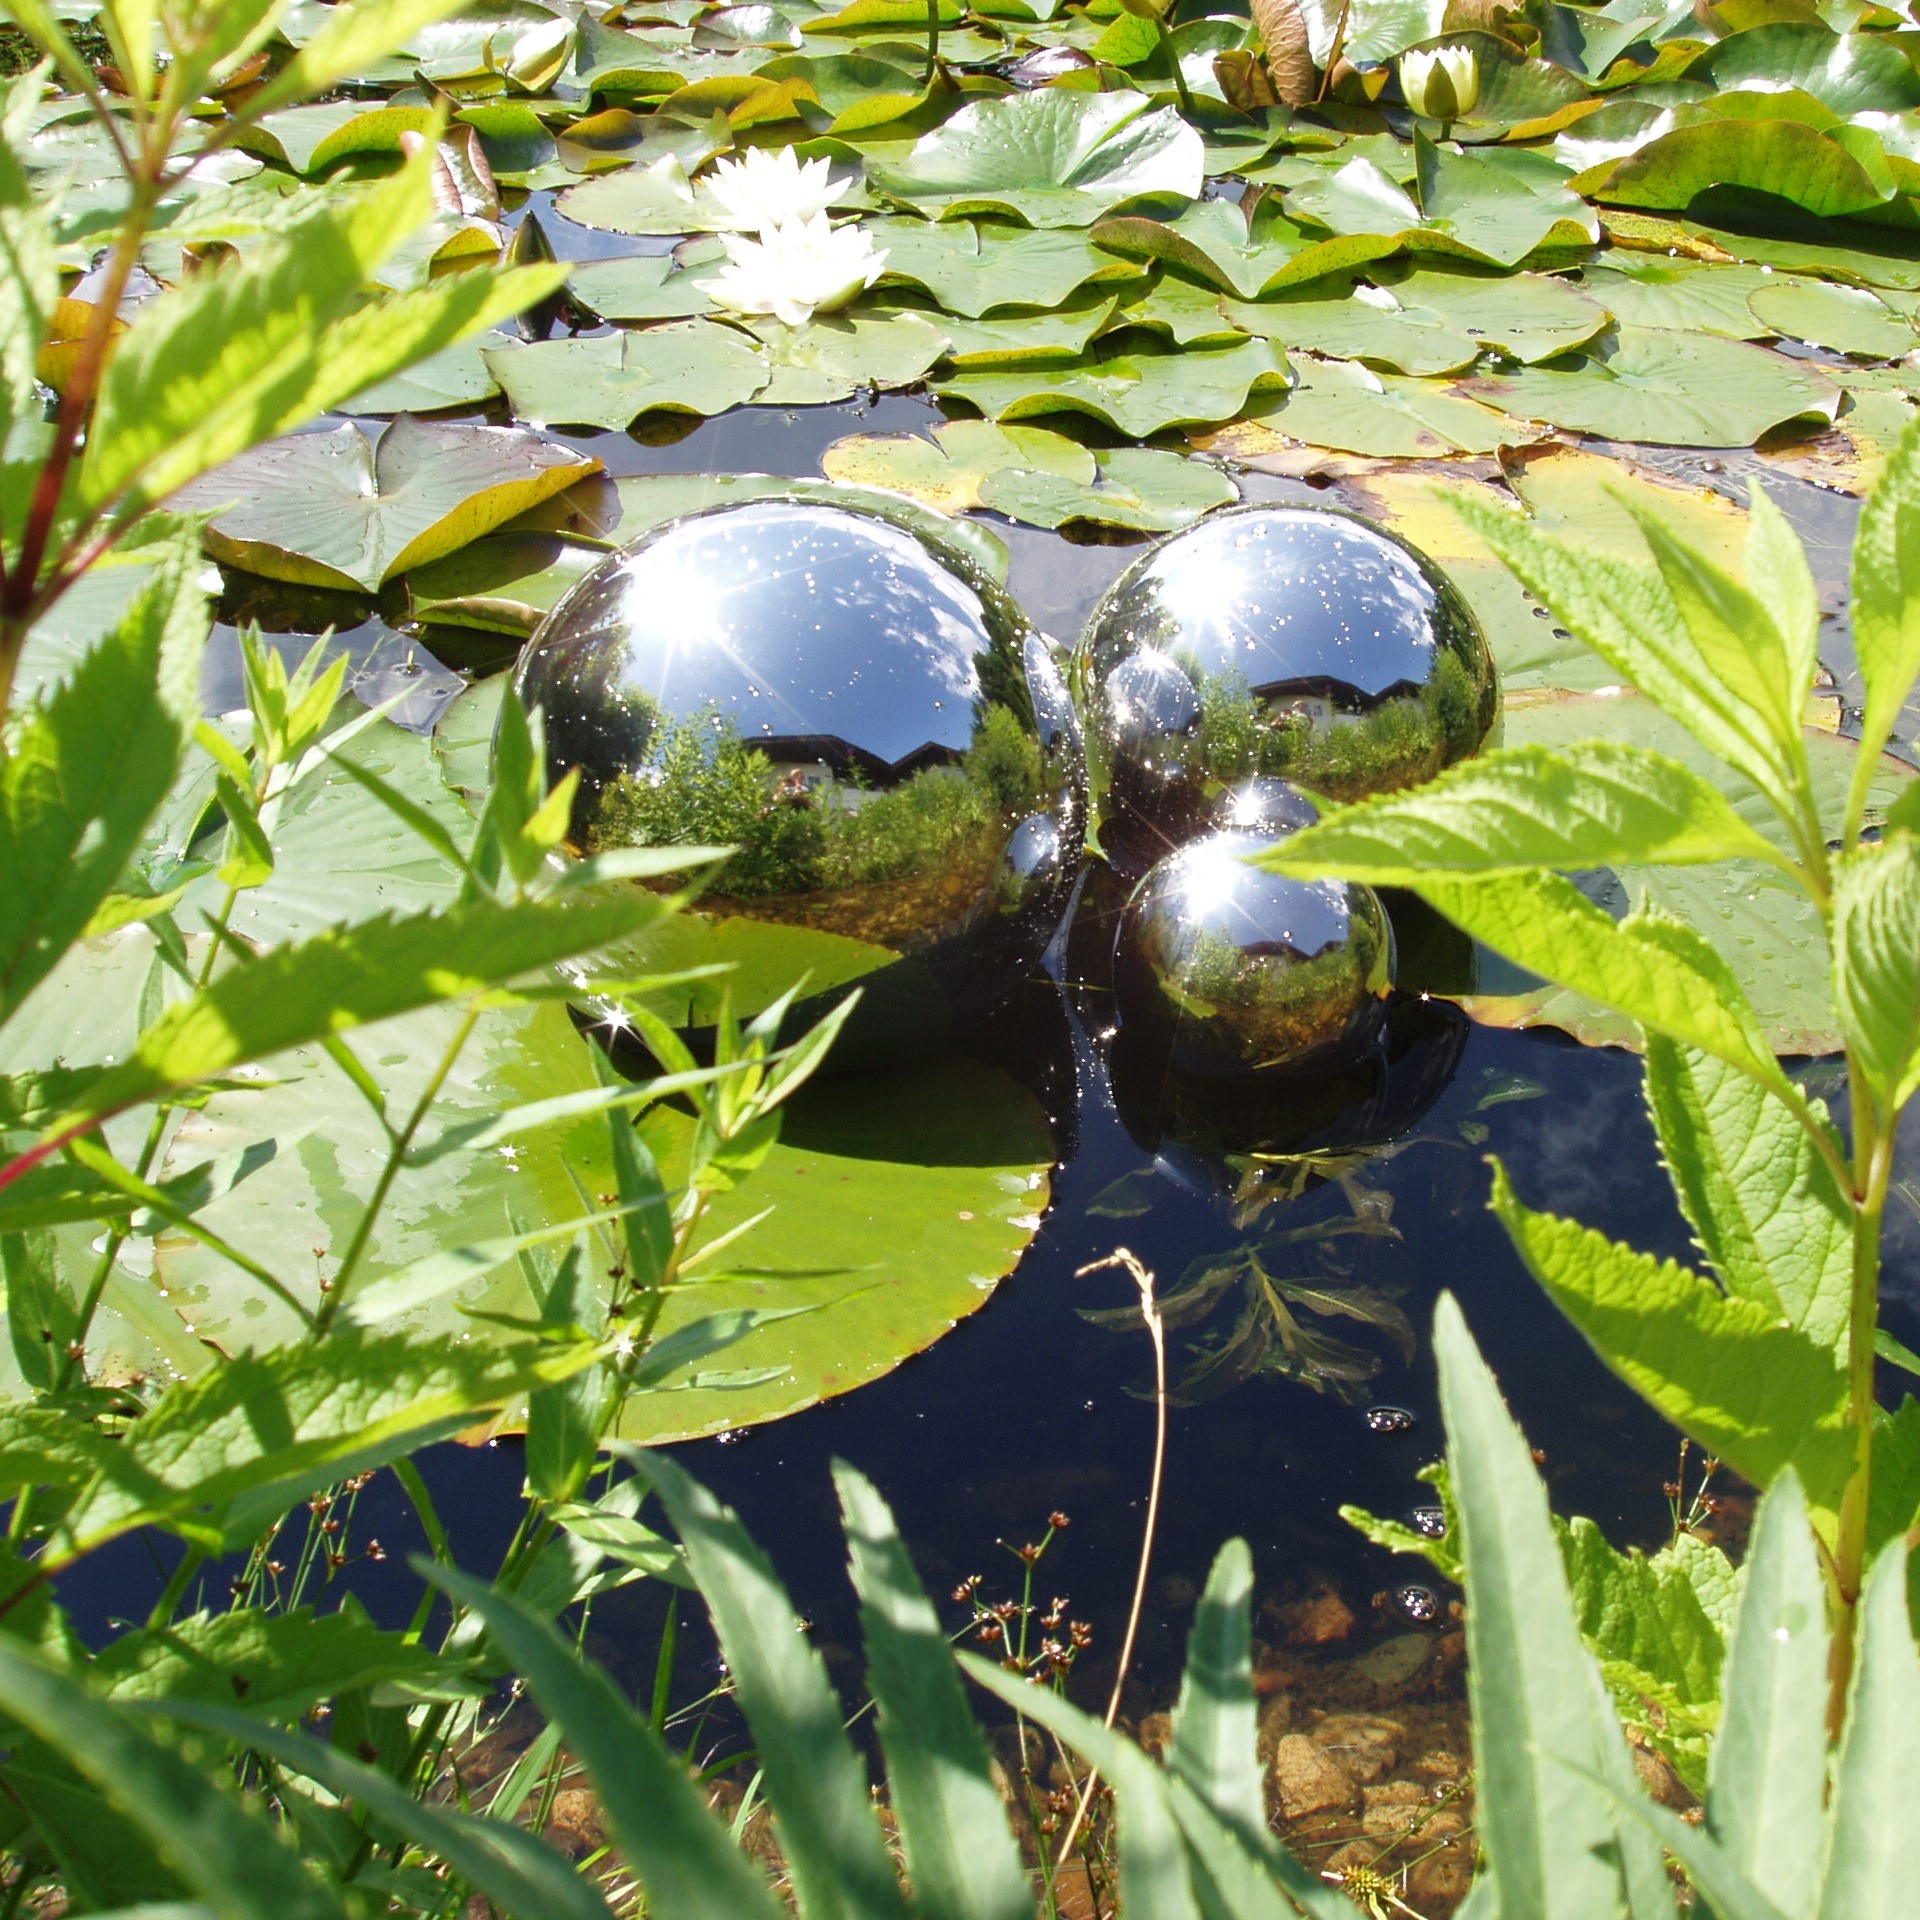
(1849, 72)
(1043, 334)
(506, 583)
(1181, 311)
(1685, 296)
(1847, 319)
(1673, 389)
(972, 268)
(456, 376)
(1432, 321)
(1753, 914)
(1091, 151)
(899, 1203)
(839, 354)
(338, 510)
(1139, 393)
(1347, 405)
(1849, 251)
(1031, 475)
(1782, 158)
(1213, 242)
(645, 286)
(608, 380)
(311, 139)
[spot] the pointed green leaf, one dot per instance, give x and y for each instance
(814, 1780)
(1876, 963)
(1752, 1391)
(222, 1850)
(1766, 1209)
(1593, 805)
(1885, 597)
(1214, 1725)
(1766, 1799)
(659, 1818)
(1549, 1833)
(87, 769)
(1869, 1862)
(961, 1859)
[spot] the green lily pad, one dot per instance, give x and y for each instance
(839, 354)
(311, 139)
(1213, 242)
(1849, 251)
(973, 268)
(900, 1201)
(1767, 929)
(645, 286)
(1187, 314)
(1043, 334)
(337, 510)
(1139, 393)
(1091, 151)
(456, 376)
(1671, 389)
(1782, 158)
(1031, 475)
(608, 380)
(1431, 321)
(1384, 31)
(654, 199)
(1684, 296)
(1849, 72)
(1847, 319)
(1346, 405)
(506, 583)
(1515, 88)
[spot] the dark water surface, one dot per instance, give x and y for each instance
(1027, 1407)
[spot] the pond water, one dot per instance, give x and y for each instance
(1029, 1407)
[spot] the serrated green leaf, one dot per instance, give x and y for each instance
(1876, 964)
(1885, 597)
(1765, 1800)
(1759, 1395)
(1214, 1724)
(961, 1859)
(1766, 1209)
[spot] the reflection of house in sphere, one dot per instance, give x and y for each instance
(864, 716)
(1287, 641)
(1243, 970)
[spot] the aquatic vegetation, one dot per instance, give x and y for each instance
(796, 269)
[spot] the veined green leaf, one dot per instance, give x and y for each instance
(221, 1456)
(961, 1859)
(1550, 1835)
(1876, 963)
(689, 1867)
(1869, 1864)
(1626, 614)
(1214, 1725)
(1754, 1392)
(1885, 600)
(88, 768)
(30, 279)
(300, 993)
(1649, 966)
(520, 1874)
(352, 38)
(1767, 1210)
(1783, 584)
(1767, 1791)
(1520, 808)
(814, 1779)
(221, 1849)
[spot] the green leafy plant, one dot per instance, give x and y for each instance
(1769, 1362)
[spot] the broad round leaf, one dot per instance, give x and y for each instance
(608, 380)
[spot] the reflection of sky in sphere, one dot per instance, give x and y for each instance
(802, 621)
(1208, 894)
(1280, 597)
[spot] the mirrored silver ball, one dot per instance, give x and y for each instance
(1291, 642)
(866, 717)
(1246, 970)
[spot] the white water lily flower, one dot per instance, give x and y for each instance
(1442, 84)
(1376, 297)
(795, 270)
(769, 189)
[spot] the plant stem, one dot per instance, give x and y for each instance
(1173, 60)
(933, 42)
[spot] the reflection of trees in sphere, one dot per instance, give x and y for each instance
(865, 717)
(1295, 642)
(1246, 969)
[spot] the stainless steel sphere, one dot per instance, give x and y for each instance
(1243, 970)
(865, 716)
(1294, 642)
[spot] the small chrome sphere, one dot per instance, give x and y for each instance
(1247, 970)
(1292, 642)
(867, 718)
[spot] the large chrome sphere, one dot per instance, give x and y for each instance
(1294, 642)
(1245, 970)
(866, 717)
